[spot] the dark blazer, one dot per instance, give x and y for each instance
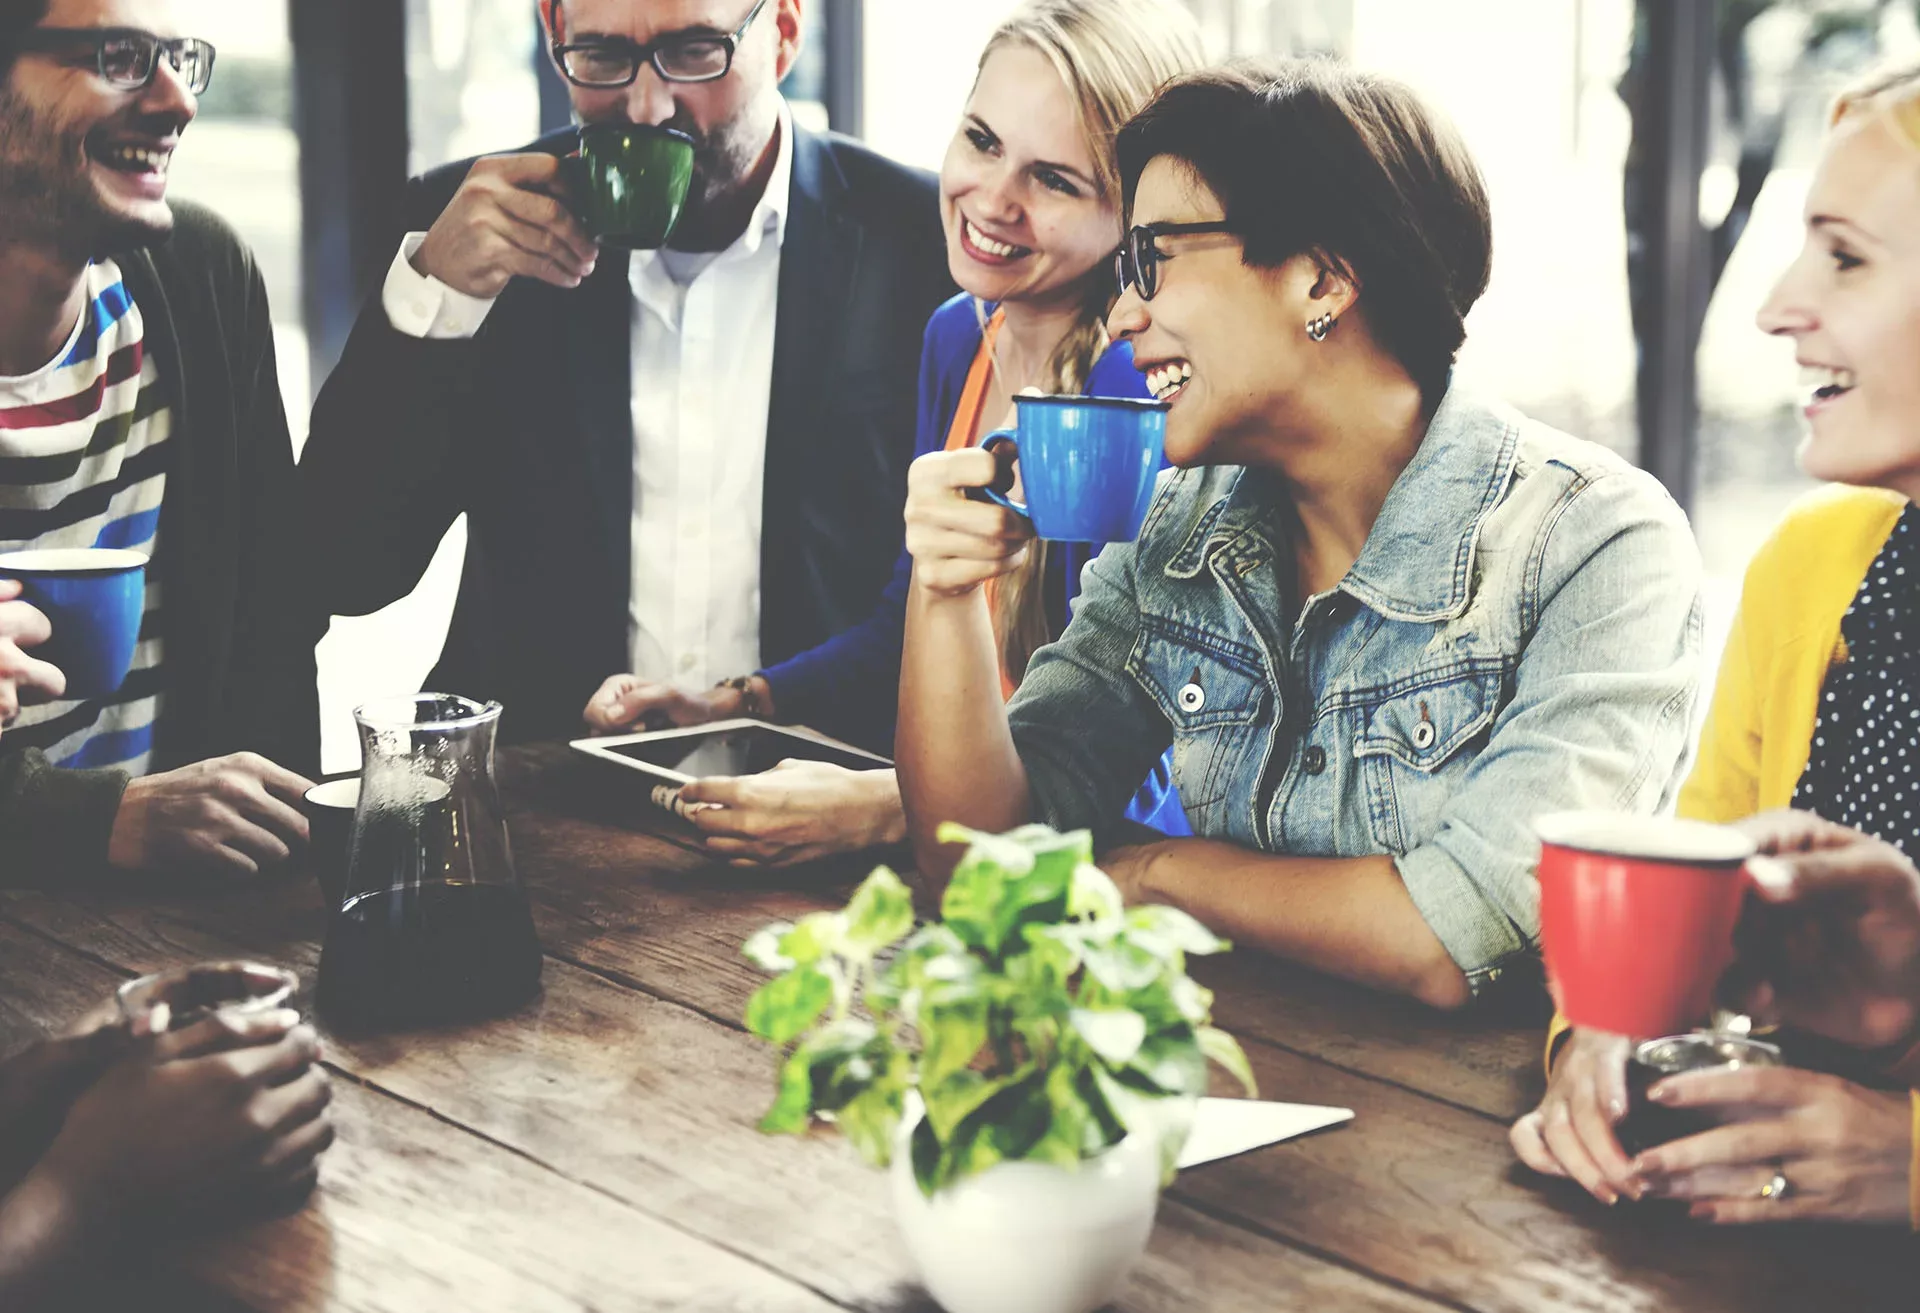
(237, 626)
(527, 428)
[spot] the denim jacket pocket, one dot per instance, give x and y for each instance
(1214, 694)
(1415, 738)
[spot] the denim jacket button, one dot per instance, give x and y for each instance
(1423, 735)
(1315, 760)
(1192, 698)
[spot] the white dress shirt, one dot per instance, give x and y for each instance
(702, 376)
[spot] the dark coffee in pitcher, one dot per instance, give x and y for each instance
(429, 953)
(434, 926)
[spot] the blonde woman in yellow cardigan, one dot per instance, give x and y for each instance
(1817, 708)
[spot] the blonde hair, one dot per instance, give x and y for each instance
(1111, 55)
(1894, 92)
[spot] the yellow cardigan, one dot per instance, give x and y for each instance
(1785, 637)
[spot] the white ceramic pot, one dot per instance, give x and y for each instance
(1030, 1237)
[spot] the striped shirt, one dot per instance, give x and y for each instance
(83, 464)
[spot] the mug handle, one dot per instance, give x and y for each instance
(574, 184)
(1765, 874)
(1004, 447)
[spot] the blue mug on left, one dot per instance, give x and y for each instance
(94, 597)
(1087, 464)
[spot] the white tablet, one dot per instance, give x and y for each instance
(725, 747)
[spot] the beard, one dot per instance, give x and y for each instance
(47, 194)
(724, 157)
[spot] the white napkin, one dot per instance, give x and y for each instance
(1225, 1127)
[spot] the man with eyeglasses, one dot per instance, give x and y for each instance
(687, 464)
(140, 409)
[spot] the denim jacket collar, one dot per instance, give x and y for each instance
(1417, 564)
(1226, 519)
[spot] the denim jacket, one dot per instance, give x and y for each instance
(1520, 633)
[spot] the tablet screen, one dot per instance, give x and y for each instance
(745, 751)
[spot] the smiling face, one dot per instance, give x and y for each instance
(1024, 216)
(83, 167)
(731, 119)
(1851, 303)
(1224, 343)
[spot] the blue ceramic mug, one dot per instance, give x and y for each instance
(1087, 464)
(94, 597)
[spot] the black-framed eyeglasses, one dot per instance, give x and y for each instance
(1137, 262)
(128, 57)
(611, 62)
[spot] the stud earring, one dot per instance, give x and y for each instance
(1317, 329)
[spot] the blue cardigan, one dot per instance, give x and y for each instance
(848, 686)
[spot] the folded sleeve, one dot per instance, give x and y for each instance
(1600, 717)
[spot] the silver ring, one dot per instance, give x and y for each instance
(1777, 1188)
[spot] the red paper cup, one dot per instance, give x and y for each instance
(1637, 916)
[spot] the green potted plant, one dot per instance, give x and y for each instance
(1028, 1065)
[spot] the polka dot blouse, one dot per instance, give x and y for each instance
(1861, 767)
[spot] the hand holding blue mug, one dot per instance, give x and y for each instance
(22, 626)
(94, 599)
(958, 543)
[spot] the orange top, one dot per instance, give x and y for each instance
(966, 416)
(960, 434)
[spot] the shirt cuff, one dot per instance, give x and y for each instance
(1477, 936)
(420, 305)
(55, 824)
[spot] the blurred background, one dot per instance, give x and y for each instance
(1647, 161)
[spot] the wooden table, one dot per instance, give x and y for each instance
(597, 1149)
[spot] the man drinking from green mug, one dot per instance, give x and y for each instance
(687, 463)
(139, 410)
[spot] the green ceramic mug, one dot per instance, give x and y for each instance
(632, 181)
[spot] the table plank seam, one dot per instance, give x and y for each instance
(692, 843)
(1310, 1056)
(85, 955)
(638, 986)
(1332, 1257)
(630, 1205)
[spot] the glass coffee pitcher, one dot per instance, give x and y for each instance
(433, 924)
